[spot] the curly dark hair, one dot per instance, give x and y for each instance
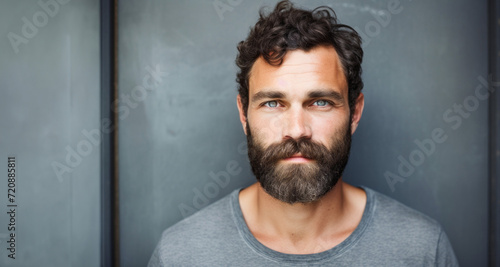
(289, 28)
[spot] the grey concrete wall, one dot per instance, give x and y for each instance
(179, 127)
(49, 84)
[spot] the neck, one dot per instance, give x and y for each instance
(300, 219)
(299, 228)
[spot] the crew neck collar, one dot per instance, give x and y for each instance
(276, 256)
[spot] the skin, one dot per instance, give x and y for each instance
(306, 96)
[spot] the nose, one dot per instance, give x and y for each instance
(296, 124)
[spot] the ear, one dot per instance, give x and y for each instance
(243, 118)
(358, 110)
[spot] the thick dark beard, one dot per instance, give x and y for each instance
(299, 183)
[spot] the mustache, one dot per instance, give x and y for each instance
(289, 147)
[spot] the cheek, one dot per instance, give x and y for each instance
(267, 129)
(327, 131)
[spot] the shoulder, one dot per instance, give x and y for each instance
(402, 230)
(388, 212)
(205, 223)
(199, 233)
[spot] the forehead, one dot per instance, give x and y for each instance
(320, 67)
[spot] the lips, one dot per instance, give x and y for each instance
(298, 158)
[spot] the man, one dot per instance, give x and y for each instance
(299, 103)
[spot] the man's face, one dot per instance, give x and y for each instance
(298, 124)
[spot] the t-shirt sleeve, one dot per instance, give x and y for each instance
(444, 252)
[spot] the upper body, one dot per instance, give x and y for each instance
(389, 234)
(299, 102)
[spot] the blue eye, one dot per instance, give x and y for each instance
(271, 104)
(321, 103)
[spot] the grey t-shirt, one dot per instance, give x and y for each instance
(389, 234)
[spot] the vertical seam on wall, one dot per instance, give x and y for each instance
(109, 213)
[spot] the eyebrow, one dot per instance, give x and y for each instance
(320, 93)
(267, 94)
(327, 93)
